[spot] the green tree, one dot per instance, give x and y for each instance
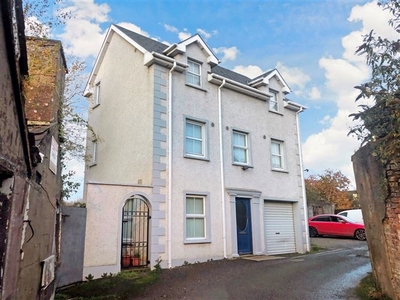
(380, 121)
(330, 187)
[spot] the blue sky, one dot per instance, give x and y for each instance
(311, 43)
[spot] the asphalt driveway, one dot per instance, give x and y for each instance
(329, 274)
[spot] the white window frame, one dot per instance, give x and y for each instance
(190, 73)
(246, 147)
(93, 153)
(281, 155)
(96, 96)
(204, 139)
(205, 216)
(273, 101)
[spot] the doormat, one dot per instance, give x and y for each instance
(260, 257)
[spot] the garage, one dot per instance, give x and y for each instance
(279, 227)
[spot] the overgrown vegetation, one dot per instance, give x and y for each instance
(380, 122)
(41, 18)
(125, 285)
(366, 290)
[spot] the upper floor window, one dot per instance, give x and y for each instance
(240, 147)
(195, 138)
(277, 159)
(97, 94)
(93, 153)
(193, 73)
(273, 101)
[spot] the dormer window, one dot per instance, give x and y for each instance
(273, 101)
(193, 73)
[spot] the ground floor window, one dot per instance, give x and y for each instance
(195, 217)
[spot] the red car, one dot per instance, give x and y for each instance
(330, 224)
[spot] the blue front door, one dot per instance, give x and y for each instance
(243, 225)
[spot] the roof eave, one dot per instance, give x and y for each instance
(294, 106)
(160, 59)
(239, 87)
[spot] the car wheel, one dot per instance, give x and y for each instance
(360, 234)
(313, 232)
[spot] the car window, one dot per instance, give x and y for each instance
(336, 219)
(343, 214)
(322, 219)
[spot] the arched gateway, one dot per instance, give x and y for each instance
(135, 233)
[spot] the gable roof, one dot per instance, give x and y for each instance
(264, 78)
(155, 51)
(147, 43)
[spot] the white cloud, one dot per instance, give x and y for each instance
(326, 120)
(183, 35)
(79, 169)
(206, 35)
(293, 76)
(82, 34)
(227, 53)
(332, 148)
(134, 28)
(170, 28)
(249, 71)
(314, 93)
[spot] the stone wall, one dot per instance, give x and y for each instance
(381, 218)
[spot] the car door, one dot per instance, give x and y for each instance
(340, 226)
(322, 224)
(336, 227)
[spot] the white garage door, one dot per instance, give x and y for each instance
(279, 228)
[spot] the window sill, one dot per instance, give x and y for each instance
(196, 157)
(276, 112)
(96, 105)
(280, 171)
(92, 164)
(243, 165)
(196, 87)
(205, 241)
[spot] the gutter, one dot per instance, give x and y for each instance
(239, 87)
(170, 165)
(163, 60)
(221, 155)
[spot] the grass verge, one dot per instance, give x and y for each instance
(125, 285)
(366, 290)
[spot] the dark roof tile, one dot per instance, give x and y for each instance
(147, 43)
(152, 45)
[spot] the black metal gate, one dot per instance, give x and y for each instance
(135, 233)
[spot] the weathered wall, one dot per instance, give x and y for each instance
(13, 165)
(317, 208)
(73, 224)
(381, 219)
(392, 225)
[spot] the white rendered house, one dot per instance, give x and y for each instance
(194, 161)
